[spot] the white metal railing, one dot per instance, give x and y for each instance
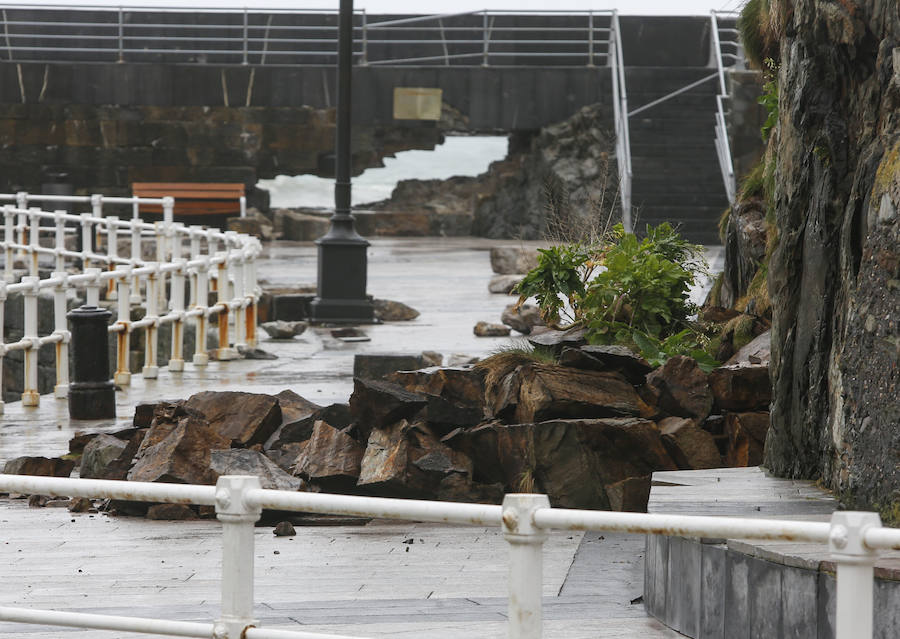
(727, 52)
(854, 540)
(272, 37)
(620, 119)
(219, 263)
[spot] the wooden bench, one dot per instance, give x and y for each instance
(194, 198)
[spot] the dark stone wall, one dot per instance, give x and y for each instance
(834, 277)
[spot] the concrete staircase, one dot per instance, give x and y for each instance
(676, 175)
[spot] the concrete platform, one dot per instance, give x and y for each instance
(727, 588)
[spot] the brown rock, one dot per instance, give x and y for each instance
(509, 260)
(504, 284)
(330, 458)
(237, 461)
(557, 340)
(171, 512)
(119, 467)
(572, 461)
(102, 451)
(618, 359)
(741, 387)
(683, 388)
(689, 446)
(376, 404)
(244, 418)
(457, 487)
(41, 466)
(487, 329)
(294, 407)
(549, 391)
(629, 495)
(386, 459)
(522, 318)
(391, 311)
(746, 438)
(81, 505)
(456, 384)
(338, 415)
(759, 351)
(284, 529)
(182, 456)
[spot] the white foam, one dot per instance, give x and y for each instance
(458, 155)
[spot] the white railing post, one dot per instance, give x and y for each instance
(237, 519)
(251, 293)
(135, 288)
(92, 288)
(240, 300)
(34, 240)
(151, 331)
(87, 239)
(525, 564)
(201, 303)
(486, 39)
(122, 376)
(112, 252)
(224, 352)
(176, 305)
(97, 211)
(61, 328)
(2, 338)
(855, 572)
(30, 395)
(60, 224)
(21, 221)
(9, 238)
(590, 39)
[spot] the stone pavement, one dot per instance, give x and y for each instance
(353, 580)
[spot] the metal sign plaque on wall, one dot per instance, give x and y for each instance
(412, 103)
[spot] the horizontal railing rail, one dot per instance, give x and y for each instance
(271, 37)
(854, 539)
(195, 260)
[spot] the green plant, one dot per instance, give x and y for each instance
(769, 98)
(685, 342)
(623, 290)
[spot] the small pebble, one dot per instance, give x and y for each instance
(284, 529)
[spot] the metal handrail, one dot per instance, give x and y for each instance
(127, 280)
(620, 118)
(854, 540)
(241, 41)
(723, 146)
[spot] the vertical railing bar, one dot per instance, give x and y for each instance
(121, 30)
(61, 328)
(30, 395)
(122, 376)
(2, 338)
(590, 39)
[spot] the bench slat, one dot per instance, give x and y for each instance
(193, 198)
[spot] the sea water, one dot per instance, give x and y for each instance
(458, 156)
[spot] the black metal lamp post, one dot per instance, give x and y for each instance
(342, 251)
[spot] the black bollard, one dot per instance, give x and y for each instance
(92, 395)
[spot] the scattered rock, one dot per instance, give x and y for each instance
(746, 438)
(42, 466)
(629, 495)
(741, 387)
(391, 311)
(81, 505)
(547, 391)
(756, 352)
(432, 358)
(557, 340)
(689, 446)
(102, 451)
(376, 404)
(330, 459)
(683, 388)
(504, 284)
(486, 329)
(178, 453)
(38, 501)
(522, 318)
(294, 407)
(245, 418)
(510, 260)
(300, 430)
(378, 365)
(247, 352)
(250, 462)
(350, 335)
(282, 329)
(171, 512)
(461, 359)
(618, 359)
(284, 529)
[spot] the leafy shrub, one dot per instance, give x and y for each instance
(624, 290)
(769, 98)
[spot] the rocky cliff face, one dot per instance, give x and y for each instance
(834, 277)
